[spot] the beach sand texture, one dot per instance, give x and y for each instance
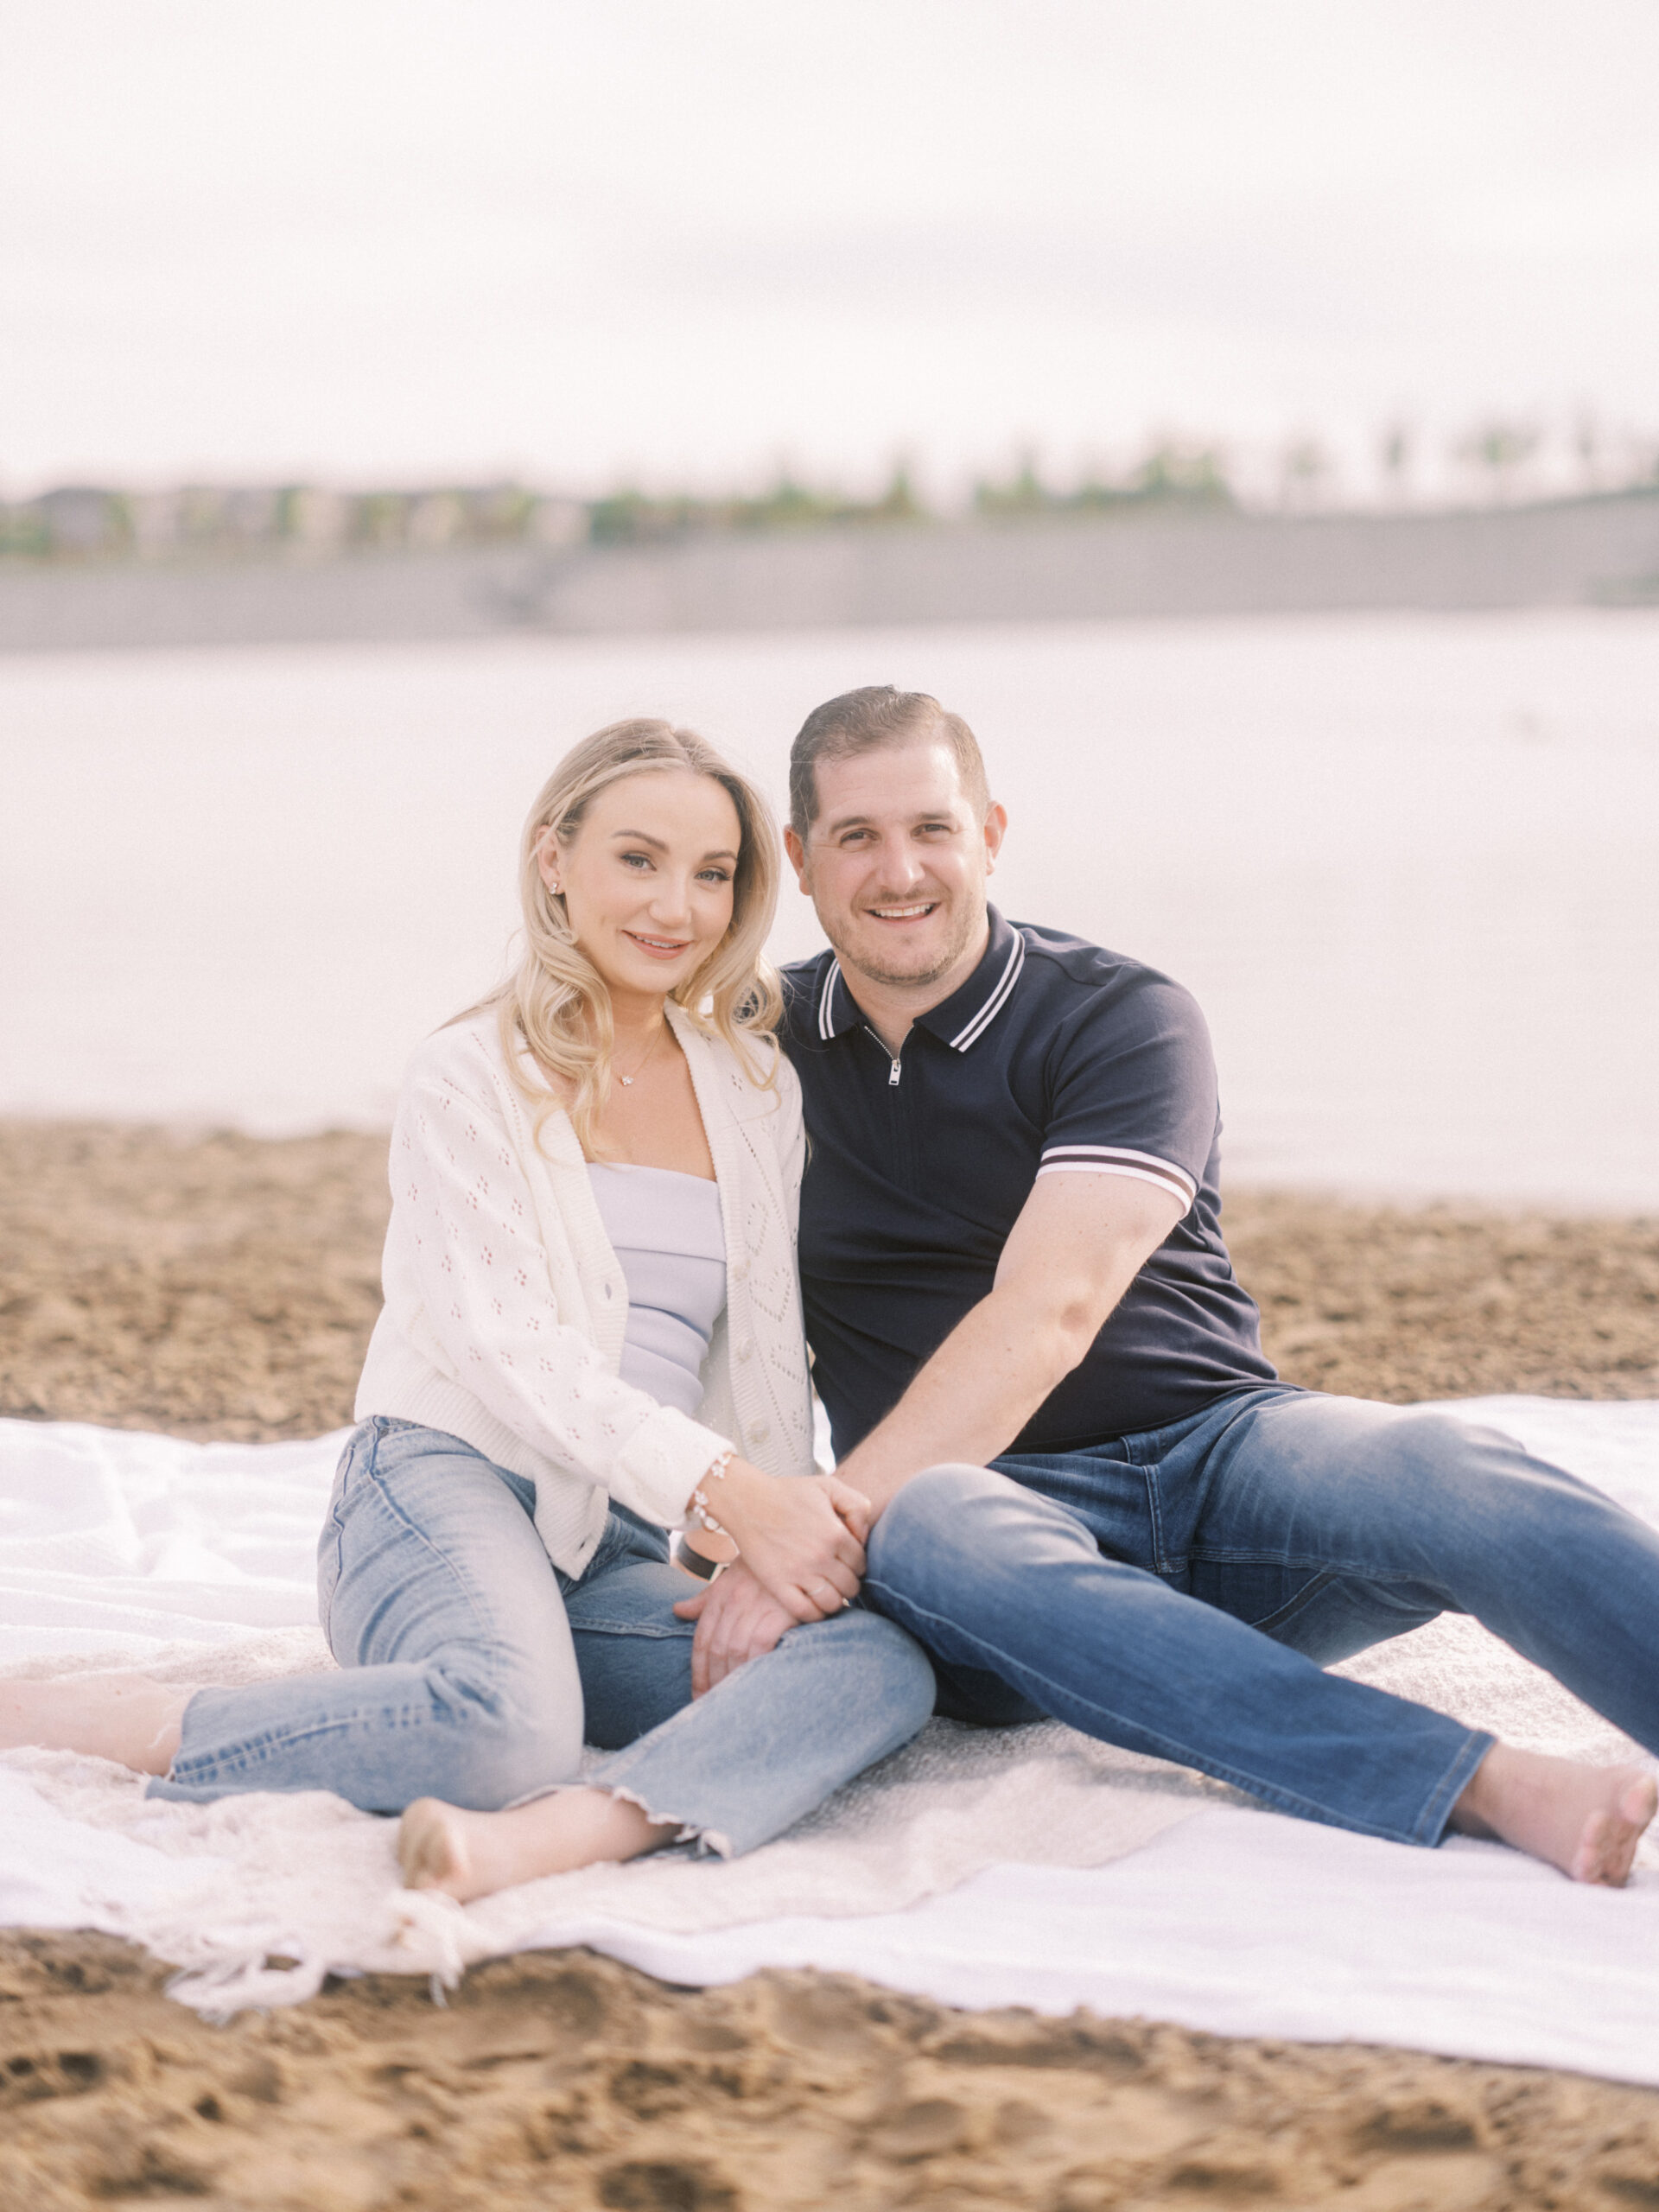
(217, 1286)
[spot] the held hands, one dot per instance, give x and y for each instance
(801, 1544)
(737, 1619)
(802, 1537)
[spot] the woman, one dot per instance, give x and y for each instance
(591, 1335)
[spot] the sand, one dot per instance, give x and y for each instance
(217, 1286)
(565, 2080)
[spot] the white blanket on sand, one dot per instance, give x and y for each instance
(1027, 1868)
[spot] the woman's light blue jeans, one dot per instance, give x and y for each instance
(472, 1670)
(1180, 1591)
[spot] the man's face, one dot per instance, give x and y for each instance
(896, 862)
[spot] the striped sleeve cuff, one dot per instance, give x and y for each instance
(1117, 1160)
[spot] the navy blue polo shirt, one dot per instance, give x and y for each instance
(1054, 1058)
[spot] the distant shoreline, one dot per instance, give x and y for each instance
(1596, 551)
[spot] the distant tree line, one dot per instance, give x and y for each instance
(88, 523)
(1188, 475)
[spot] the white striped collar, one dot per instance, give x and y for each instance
(980, 1019)
(960, 1021)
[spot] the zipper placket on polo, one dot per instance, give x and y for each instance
(900, 1122)
(895, 1060)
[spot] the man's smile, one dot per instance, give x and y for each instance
(902, 913)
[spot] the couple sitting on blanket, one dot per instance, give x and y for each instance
(973, 1164)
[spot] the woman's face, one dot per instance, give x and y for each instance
(647, 879)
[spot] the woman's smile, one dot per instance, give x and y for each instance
(659, 948)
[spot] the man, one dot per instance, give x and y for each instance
(1094, 1499)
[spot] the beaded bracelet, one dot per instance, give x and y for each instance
(698, 1513)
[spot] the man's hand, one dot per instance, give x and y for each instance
(737, 1619)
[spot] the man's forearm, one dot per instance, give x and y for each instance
(971, 1399)
(1078, 1243)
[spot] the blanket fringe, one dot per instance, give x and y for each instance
(219, 1993)
(435, 1931)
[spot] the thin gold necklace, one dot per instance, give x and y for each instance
(627, 1081)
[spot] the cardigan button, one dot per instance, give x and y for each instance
(746, 1348)
(760, 1432)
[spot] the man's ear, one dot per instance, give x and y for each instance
(996, 828)
(796, 852)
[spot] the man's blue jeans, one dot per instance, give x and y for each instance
(1179, 1592)
(471, 1669)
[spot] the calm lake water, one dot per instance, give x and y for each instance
(1407, 864)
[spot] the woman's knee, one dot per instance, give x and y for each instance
(892, 1670)
(499, 1746)
(864, 1668)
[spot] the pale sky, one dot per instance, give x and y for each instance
(391, 241)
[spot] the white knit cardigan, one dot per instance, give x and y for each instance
(506, 1306)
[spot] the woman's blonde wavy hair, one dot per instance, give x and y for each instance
(556, 1003)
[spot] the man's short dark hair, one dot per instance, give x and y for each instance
(866, 720)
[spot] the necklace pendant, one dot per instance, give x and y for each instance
(627, 1082)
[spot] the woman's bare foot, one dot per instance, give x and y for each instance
(128, 1718)
(1586, 1820)
(470, 1855)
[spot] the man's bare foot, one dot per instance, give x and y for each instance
(128, 1718)
(1586, 1820)
(470, 1855)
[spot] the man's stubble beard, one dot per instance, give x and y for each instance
(911, 979)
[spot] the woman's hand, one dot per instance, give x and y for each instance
(801, 1536)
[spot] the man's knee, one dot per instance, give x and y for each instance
(934, 1507)
(1441, 1438)
(1444, 1482)
(1450, 1456)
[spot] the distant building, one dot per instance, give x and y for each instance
(79, 521)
